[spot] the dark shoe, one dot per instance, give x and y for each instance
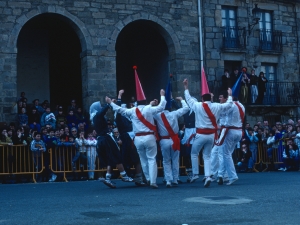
(207, 182)
(141, 184)
(154, 186)
(220, 181)
(109, 184)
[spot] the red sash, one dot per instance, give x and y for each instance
(212, 118)
(146, 122)
(226, 131)
(173, 136)
(190, 139)
(242, 114)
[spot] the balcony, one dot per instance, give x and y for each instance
(277, 93)
(270, 41)
(234, 38)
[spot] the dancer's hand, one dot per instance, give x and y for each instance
(185, 83)
(108, 100)
(229, 92)
(162, 92)
(179, 98)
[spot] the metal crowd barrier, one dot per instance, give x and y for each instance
(276, 157)
(18, 159)
(61, 159)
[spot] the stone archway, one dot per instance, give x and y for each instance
(160, 35)
(72, 21)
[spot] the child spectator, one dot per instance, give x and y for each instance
(91, 154)
(10, 133)
(57, 134)
(297, 139)
(51, 142)
(48, 118)
(73, 106)
(20, 106)
(5, 140)
(279, 135)
(252, 139)
(34, 120)
(63, 141)
(19, 138)
(80, 151)
(67, 131)
(44, 134)
(290, 156)
(71, 119)
(244, 156)
(39, 108)
(81, 118)
(60, 118)
(23, 118)
(37, 146)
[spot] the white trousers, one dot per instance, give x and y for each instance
(170, 160)
(206, 142)
(147, 149)
(91, 154)
(216, 159)
(230, 141)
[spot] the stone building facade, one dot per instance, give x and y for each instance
(103, 30)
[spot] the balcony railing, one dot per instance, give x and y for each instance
(277, 93)
(234, 38)
(270, 40)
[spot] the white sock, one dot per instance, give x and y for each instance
(123, 173)
(108, 176)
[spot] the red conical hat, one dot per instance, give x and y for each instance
(204, 86)
(140, 96)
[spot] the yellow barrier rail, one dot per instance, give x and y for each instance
(18, 159)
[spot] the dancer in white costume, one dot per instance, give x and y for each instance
(206, 114)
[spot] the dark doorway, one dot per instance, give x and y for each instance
(141, 44)
(232, 65)
(49, 56)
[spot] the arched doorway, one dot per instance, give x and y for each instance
(141, 43)
(48, 60)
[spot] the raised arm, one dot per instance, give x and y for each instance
(161, 106)
(228, 104)
(180, 112)
(119, 109)
(191, 101)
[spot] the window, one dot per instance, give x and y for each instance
(230, 31)
(265, 26)
(228, 17)
(271, 97)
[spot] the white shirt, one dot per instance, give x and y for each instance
(202, 119)
(233, 117)
(147, 111)
(172, 118)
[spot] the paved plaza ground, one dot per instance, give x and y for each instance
(256, 198)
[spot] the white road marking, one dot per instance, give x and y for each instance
(218, 200)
